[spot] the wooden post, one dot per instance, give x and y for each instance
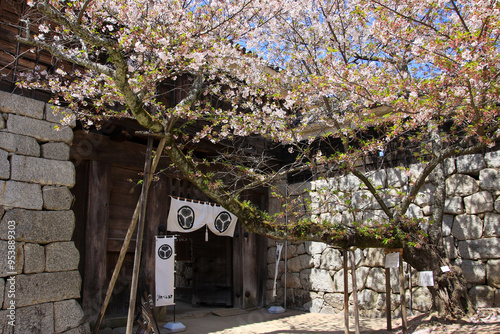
(140, 232)
(410, 287)
(126, 242)
(354, 293)
(402, 294)
(388, 297)
(346, 293)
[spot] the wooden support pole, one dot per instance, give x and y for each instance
(388, 298)
(126, 241)
(346, 293)
(402, 294)
(354, 293)
(140, 233)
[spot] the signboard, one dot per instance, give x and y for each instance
(425, 278)
(392, 260)
(164, 271)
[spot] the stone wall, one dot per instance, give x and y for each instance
(471, 236)
(39, 278)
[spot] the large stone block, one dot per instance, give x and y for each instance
(301, 262)
(61, 256)
(461, 185)
(41, 319)
(492, 159)
(374, 257)
(454, 205)
(331, 259)
(11, 268)
(43, 131)
(313, 247)
(16, 104)
(321, 280)
(34, 258)
(2, 289)
(19, 144)
(364, 200)
(474, 271)
(335, 300)
(486, 248)
(470, 163)
(425, 195)
(491, 225)
(68, 314)
(482, 295)
(396, 177)
(55, 151)
(367, 299)
(293, 281)
(449, 247)
(376, 280)
(348, 182)
(361, 279)
(489, 179)
(467, 227)
(39, 226)
(42, 171)
(21, 195)
(60, 115)
(377, 178)
(57, 198)
(478, 203)
(493, 273)
(422, 299)
(82, 329)
(447, 224)
(414, 212)
(47, 287)
(4, 165)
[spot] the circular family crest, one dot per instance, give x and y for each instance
(165, 252)
(185, 217)
(222, 221)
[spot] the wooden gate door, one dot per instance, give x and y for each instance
(212, 269)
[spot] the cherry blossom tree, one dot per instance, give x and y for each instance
(332, 81)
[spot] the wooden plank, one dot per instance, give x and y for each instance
(402, 295)
(388, 298)
(354, 293)
(346, 292)
(94, 282)
(80, 193)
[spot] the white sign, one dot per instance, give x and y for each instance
(392, 260)
(425, 278)
(445, 269)
(279, 248)
(164, 270)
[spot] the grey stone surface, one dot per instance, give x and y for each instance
(486, 248)
(61, 256)
(449, 247)
(313, 247)
(336, 300)
(466, 227)
(21, 195)
(474, 271)
(331, 259)
(415, 170)
(482, 295)
(299, 263)
(55, 151)
(450, 166)
(492, 159)
(454, 206)
(377, 178)
(41, 319)
(57, 198)
(414, 211)
(374, 257)
(47, 287)
(367, 299)
(497, 205)
(364, 200)
(4, 165)
(321, 280)
(491, 225)
(19, 144)
(2, 289)
(6, 268)
(348, 182)
(396, 177)
(447, 225)
(425, 195)
(43, 171)
(34, 258)
(362, 276)
(478, 203)
(83, 329)
(2, 122)
(493, 273)
(16, 104)
(68, 314)
(489, 179)
(376, 280)
(63, 116)
(461, 185)
(470, 163)
(422, 299)
(41, 130)
(40, 226)
(293, 281)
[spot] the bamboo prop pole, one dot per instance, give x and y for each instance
(402, 294)
(388, 298)
(138, 241)
(354, 293)
(126, 241)
(346, 294)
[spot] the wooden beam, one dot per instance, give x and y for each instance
(388, 298)
(402, 295)
(354, 293)
(96, 231)
(346, 292)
